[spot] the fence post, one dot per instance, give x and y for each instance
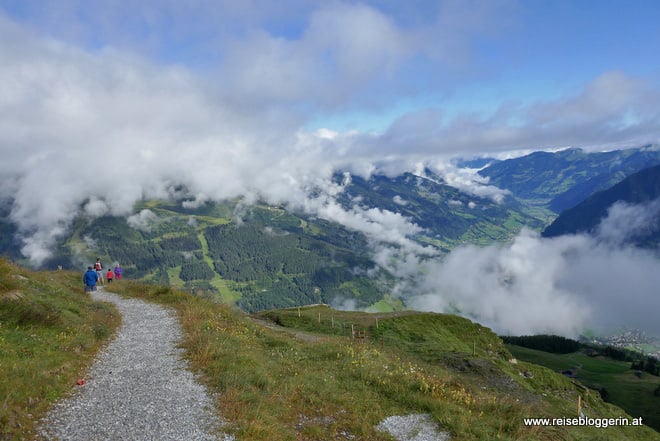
(579, 409)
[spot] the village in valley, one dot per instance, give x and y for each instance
(633, 339)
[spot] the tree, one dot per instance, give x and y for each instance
(651, 365)
(604, 394)
(195, 270)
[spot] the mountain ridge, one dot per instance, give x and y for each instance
(560, 180)
(639, 188)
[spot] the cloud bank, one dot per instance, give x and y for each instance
(562, 285)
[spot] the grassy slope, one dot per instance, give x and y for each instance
(49, 332)
(632, 393)
(308, 380)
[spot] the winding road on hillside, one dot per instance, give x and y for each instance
(139, 387)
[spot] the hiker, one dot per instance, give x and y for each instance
(118, 272)
(89, 279)
(109, 275)
(99, 270)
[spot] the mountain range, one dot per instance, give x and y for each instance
(560, 180)
(262, 256)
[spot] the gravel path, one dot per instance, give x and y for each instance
(139, 387)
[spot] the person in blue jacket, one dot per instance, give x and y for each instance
(89, 279)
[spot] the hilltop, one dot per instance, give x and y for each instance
(312, 373)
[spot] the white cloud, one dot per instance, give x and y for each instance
(563, 285)
(510, 288)
(626, 221)
(607, 97)
(143, 221)
(96, 207)
(399, 200)
(344, 304)
(467, 180)
(380, 226)
(342, 48)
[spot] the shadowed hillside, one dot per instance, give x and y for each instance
(642, 187)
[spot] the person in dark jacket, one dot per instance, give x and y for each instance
(89, 279)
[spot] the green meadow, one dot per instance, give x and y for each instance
(631, 390)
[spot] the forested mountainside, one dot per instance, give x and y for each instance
(270, 258)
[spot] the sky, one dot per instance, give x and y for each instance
(104, 103)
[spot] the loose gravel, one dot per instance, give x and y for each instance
(139, 387)
(418, 427)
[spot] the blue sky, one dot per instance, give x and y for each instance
(457, 56)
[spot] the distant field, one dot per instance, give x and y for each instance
(625, 389)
